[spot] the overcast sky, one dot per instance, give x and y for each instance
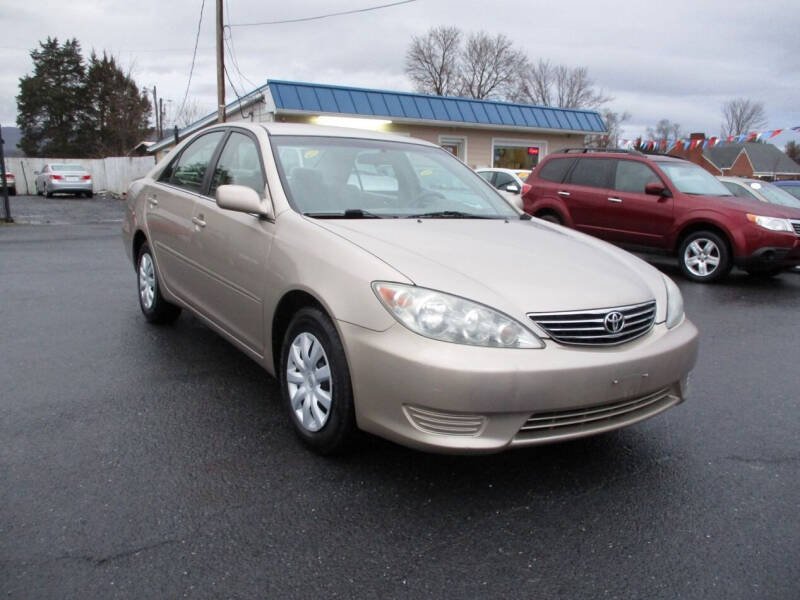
(679, 60)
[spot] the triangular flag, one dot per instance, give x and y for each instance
(774, 133)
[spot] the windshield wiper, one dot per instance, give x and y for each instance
(450, 214)
(350, 213)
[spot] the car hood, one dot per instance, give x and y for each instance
(516, 266)
(756, 207)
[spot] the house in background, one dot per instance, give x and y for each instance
(482, 133)
(749, 159)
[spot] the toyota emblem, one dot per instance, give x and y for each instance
(614, 322)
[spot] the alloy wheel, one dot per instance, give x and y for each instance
(147, 281)
(702, 257)
(308, 377)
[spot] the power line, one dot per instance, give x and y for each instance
(194, 56)
(336, 14)
(232, 51)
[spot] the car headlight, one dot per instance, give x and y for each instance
(674, 303)
(449, 318)
(771, 223)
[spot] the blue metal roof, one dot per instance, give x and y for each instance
(320, 98)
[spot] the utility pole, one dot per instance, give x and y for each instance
(220, 67)
(3, 182)
(156, 113)
(160, 118)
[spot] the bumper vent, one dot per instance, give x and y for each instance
(557, 424)
(601, 327)
(442, 423)
(796, 225)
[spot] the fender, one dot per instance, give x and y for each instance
(552, 203)
(706, 216)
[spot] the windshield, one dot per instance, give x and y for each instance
(794, 190)
(773, 194)
(72, 168)
(691, 179)
(355, 178)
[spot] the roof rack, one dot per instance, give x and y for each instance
(585, 150)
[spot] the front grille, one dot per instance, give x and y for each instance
(796, 225)
(595, 418)
(443, 423)
(594, 327)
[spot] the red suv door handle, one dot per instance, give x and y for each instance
(615, 200)
(563, 193)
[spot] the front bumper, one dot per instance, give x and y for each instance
(771, 257)
(454, 398)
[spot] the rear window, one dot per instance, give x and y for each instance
(591, 172)
(71, 168)
(555, 169)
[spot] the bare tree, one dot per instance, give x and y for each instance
(489, 66)
(610, 139)
(556, 85)
(432, 61)
(792, 150)
(190, 113)
(665, 130)
(742, 116)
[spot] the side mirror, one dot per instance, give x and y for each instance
(656, 188)
(513, 188)
(243, 199)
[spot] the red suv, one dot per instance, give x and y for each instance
(664, 204)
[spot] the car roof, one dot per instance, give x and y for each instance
(741, 179)
(616, 154)
(303, 129)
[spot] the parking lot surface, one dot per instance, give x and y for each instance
(156, 462)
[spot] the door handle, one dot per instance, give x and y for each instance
(153, 201)
(199, 221)
(615, 200)
(563, 193)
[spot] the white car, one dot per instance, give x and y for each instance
(507, 180)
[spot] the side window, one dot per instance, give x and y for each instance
(191, 167)
(591, 172)
(739, 190)
(487, 175)
(502, 180)
(555, 169)
(239, 164)
(633, 176)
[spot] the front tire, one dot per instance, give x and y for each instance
(315, 383)
(704, 257)
(154, 308)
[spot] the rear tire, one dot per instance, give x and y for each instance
(48, 193)
(550, 217)
(154, 308)
(315, 383)
(704, 257)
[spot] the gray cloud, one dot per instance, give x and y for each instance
(679, 60)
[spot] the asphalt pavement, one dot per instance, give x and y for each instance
(156, 462)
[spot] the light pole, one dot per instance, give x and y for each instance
(6, 205)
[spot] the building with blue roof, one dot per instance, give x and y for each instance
(483, 133)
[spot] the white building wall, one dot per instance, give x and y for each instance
(112, 174)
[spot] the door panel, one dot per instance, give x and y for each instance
(169, 209)
(586, 192)
(231, 248)
(168, 213)
(639, 218)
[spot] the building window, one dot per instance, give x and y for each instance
(517, 154)
(457, 146)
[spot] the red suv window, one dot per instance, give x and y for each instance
(591, 172)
